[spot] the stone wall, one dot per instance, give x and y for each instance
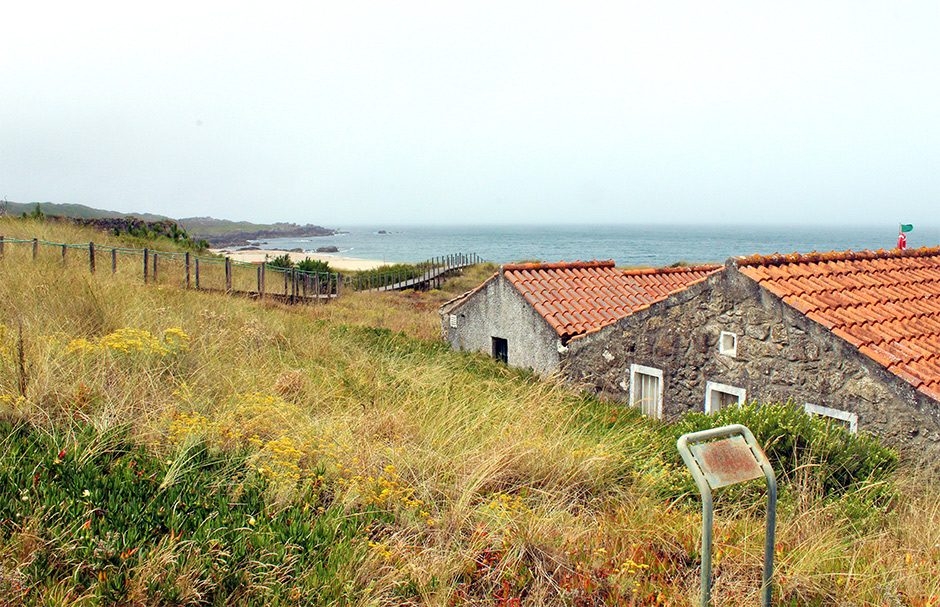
(780, 356)
(499, 310)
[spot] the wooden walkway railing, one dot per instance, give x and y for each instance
(424, 275)
(184, 269)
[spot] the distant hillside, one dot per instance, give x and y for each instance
(79, 211)
(225, 233)
(217, 232)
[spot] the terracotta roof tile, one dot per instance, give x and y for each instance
(876, 354)
(885, 302)
(852, 339)
(823, 320)
(581, 297)
(902, 372)
(801, 304)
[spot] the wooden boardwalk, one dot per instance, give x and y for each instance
(433, 276)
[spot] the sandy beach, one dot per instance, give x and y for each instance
(343, 264)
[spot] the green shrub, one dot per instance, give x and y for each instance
(281, 261)
(794, 442)
(313, 265)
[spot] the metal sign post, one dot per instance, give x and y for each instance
(726, 456)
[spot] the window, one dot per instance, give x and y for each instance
(646, 390)
(719, 396)
(501, 349)
(728, 344)
(453, 321)
(846, 419)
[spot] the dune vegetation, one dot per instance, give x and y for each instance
(164, 446)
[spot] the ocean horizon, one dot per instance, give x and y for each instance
(627, 245)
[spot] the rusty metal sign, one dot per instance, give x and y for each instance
(727, 461)
(724, 456)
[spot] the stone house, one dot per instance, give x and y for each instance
(854, 336)
(526, 314)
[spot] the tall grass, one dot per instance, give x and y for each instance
(443, 478)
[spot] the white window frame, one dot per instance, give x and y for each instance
(453, 321)
(837, 414)
(636, 370)
(728, 344)
(711, 387)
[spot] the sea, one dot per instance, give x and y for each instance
(627, 245)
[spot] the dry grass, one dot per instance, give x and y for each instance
(413, 313)
(498, 487)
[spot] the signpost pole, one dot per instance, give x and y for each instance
(725, 456)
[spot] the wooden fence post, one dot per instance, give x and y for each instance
(155, 266)
(146, 264)
(197, 273)
(64, 249)
(228, 274)
(1, 246)
(113, 260)
(258, 279)
(187, 270)
(263, 264)
(35, 248)
(91, 256)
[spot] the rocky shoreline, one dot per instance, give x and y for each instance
(222, 233)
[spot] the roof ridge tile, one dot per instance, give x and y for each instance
(849, 255)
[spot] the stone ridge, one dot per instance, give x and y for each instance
(885, 303)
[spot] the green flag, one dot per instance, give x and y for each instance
(907, 227)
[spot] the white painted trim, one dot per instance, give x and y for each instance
(658, 373)
(724, 389)
(731, 350)
(844, 416)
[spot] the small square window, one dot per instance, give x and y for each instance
(846, 419)
(728, 344)
(646, 390)
(720, 396)
(453, 321)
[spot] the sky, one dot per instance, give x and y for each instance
(450, 112)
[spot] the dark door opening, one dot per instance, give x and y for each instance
(501, 349)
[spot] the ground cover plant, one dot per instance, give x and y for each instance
(436, 478)
(99, 520)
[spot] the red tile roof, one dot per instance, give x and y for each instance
(584, 296)
(887, 303)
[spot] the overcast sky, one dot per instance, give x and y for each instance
(344, 112)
